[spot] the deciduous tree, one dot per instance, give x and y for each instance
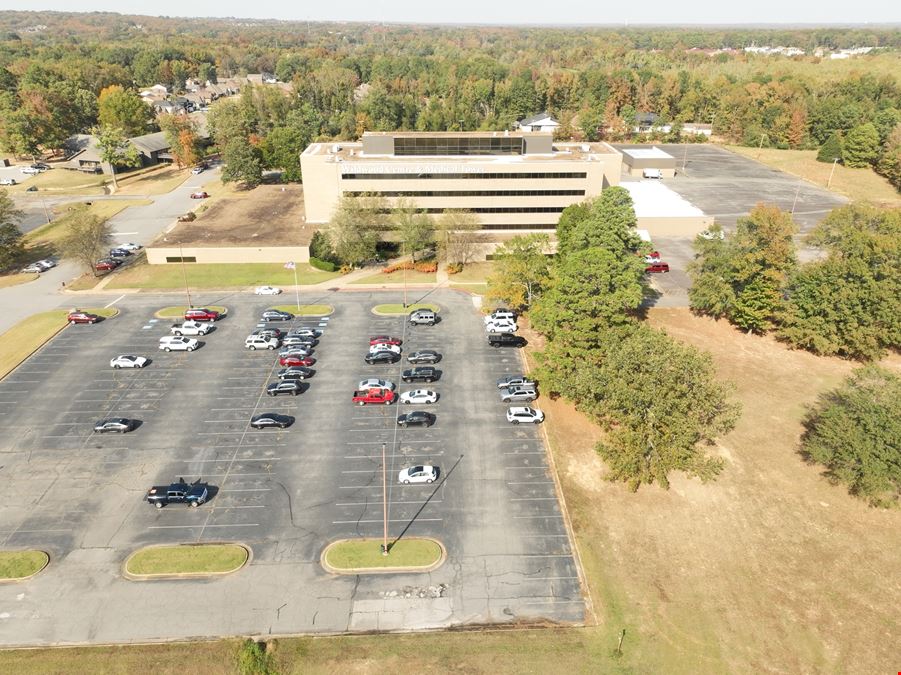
(355, 226)
(522, 271)
(86, 237)
(415, 229)
(11, 247)
(457, 237)
(116, 150)
(123, 108)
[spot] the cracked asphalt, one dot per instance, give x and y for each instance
(285, 493)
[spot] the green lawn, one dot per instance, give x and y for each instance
(413, 277)
(230, 275)
(25, 337)
(367, 553)
(473, 273)
(397, 308)
(306, 310)
(16, 279)
(178, 311)
(62, 181)
(20, 564)
(189, 559)
(52, 232)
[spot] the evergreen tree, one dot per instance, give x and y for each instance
(862, 146)
(831, 149)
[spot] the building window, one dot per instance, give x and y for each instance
(179, 259)
(458, 145)
(463, 176)
(471, 193)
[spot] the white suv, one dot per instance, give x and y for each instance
(518, 414)
(261, 342)
(173, 343)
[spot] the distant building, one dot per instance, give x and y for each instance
(540, 122)
(698, 129)
(637, 159)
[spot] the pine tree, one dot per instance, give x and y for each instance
(862, 146)
(831, 149)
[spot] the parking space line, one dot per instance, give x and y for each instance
(417, 502)
(191, 527)
(252, 459)
(394, 442)
(556, 515)
(245, 490)
(533, 499)
(524, 452)
(536, 482)
(390, 520)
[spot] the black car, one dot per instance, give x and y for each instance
(284, 387)
(420, 374)
(193, 494)
(119, 253)
(424, 356)
(270, 419)
(276, 315)
(381, 357)
(506, 340)
(303, 339)
(295, 373)
(416, 418)
(118, 425)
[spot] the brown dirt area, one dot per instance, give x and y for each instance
(769, 568)
(268, 215)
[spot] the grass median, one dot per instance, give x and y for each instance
(16, 279)
(23, 339)
(306, 310)
(187, 559)
(225, 275)
(390, 309)
(361, 554)
(413, 277)
(178, 311)
(21, 564)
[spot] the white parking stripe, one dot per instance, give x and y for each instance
(191, 527)
(390, 520)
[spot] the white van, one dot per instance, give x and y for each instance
(652, 173)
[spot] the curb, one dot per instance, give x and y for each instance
(353, 571)
(407, 311)
(130, 576)
(156, 314)
(17, 580)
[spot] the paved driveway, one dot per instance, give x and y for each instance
(286, 493)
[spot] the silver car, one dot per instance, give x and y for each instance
(515, 394)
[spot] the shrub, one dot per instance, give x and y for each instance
(454, 268)
(346, 269)
(428, 266)
(323, 265)
(254, 658)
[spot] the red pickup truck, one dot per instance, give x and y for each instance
(364, 396)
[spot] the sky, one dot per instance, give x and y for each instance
(569, 12)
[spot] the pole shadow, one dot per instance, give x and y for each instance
(416, 515)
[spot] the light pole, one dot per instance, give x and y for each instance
(795, 203)
(403, 250)
(184, 272)
(834, 162)
(760, 145)
(684, 158)
(384, 503)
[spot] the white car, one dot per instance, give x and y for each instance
(191, 328)
(382, 347)
(419, 396)
(197, 169)
(306, 332)
(712, 234)
(500, 315)
(375, 383)
(524, 414)
(31, 170)
(7, 181)
(130, 246)
(267, 290)
(128, 361)
(501, 327)
(418, 474)
(254, 342)
(174, 343)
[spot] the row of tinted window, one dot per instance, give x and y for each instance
(458, 146)
(500, 209)
(471, 193)
(480, 176)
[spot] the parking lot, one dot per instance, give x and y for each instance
(287, 493)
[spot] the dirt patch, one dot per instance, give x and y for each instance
(268, 215)
(769, 568)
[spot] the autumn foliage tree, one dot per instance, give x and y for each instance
(181, 133)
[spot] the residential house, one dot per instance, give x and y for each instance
(540, 122)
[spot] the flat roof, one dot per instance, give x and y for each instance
(453, 134)
(352, 151)
(653, 199)
(647, 153)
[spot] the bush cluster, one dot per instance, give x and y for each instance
(425, 266)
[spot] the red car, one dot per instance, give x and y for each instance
(105, 265)
(201, 314)
(384, 340)
(296, 360)
(199, 195)
(82, 317)
(657, 267)
(364, 396)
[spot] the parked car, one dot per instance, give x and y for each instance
(269, 419)
(119, 253)
(506, 340)
(657, 267)
(652, 257)
(40, 265)
(501, 313)
(41, 166)
(376, 348)
(193, 494)
(423, 317)
(515, 381)
(34, 268)
(501, 327)
(417, 418)
(292, 340)
(306, 332)
(174, 343)
(254, 342)
(196, 170)
(269, 331)
(513, 394)
(305, 361)
(30, 170)
(376, 383)
(130, 246)
(296, 350)
(7, 181)
(82, 317)
(116, 425)
(420, 374)
(424, 356)
(199, 195)
(202, 314)
(295, 373)
(106, 265)
(418, 474)
(385, 340)
(191, 328)
(381, 357)
(369, 396)
(524, 414)
(292, 387)
(276, 315)
(421, 396)
(712, 234)
(128, 361)
(267, 290)
(652, 173)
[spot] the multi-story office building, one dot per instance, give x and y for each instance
(510, 180)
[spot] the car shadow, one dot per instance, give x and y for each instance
(443, 478)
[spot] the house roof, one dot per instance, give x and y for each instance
(151, 142)
(540, 117)
(646, 117)
(81, 148)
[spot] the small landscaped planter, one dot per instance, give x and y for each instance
(364, 556)
(22, 565)
(186, 561)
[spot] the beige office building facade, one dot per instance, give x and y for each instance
(512, 181)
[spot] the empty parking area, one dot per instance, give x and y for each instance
(288, 492)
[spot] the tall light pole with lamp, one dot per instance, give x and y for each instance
(834, 162)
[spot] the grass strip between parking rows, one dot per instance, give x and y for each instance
(23, 339)
(361, 554)
(178, 311)
(306, 310)
(397, 308)
(187, 559)
(21, 564)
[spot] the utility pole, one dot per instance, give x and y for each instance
(834, 162)
(795, 203)
(403, 249)
(384, 503)
(184, 271)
